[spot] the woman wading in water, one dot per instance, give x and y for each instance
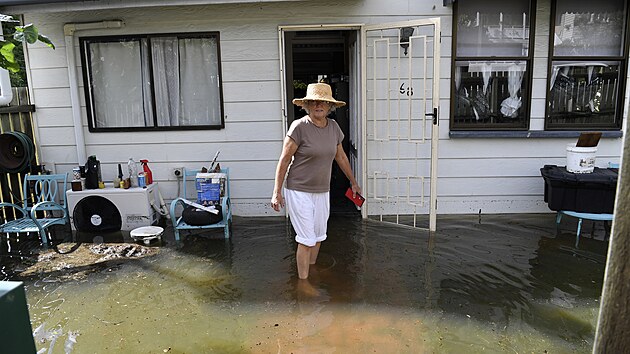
(312, 142)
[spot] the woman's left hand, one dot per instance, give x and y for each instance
(356, 190)
(277, 201)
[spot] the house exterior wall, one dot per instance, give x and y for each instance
(491, 175)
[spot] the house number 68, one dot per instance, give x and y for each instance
(408, 91)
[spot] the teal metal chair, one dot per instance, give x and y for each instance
(44, 205)
(588, 216)
(226, 207)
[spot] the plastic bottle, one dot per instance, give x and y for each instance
(133, 172)
(147, 171)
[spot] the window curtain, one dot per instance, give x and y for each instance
(117, 84)
(510, 106)
(165, 56)
(186, 80)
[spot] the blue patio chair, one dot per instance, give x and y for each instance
(226, 207)
(48, 198)
(588, 216)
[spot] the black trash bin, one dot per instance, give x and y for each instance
(581, 192)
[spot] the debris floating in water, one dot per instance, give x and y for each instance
(83, 260)
(111, 251)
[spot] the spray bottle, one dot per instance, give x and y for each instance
(147, 171)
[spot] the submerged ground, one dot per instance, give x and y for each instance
(491, 283)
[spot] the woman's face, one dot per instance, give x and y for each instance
(318, 109)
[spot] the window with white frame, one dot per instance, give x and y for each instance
(492, 65)
(153, 82)
(587, 64)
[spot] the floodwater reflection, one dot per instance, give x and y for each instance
(504, 283)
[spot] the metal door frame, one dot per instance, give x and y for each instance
(358, 27)
(435, 104)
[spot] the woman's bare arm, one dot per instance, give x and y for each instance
(344, 164)
(288, 150)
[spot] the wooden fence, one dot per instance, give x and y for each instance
(16, 117)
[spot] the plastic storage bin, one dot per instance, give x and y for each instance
(585, 192)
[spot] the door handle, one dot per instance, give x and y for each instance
(434, 115)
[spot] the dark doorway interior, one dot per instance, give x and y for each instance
(323, 56)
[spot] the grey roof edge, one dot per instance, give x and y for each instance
(47, 6)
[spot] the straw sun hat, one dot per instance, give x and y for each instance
(318, 92)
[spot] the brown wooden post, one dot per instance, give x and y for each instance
(613, 325)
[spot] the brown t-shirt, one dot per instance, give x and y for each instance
(312, 162)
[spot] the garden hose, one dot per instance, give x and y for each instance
(16, 152)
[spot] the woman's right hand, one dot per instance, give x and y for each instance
(277, 201)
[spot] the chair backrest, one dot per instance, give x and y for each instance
(190, 175)
(45, 188)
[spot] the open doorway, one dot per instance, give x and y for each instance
(327, 56)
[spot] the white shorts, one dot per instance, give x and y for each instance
(309, 215)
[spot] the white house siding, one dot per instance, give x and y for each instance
(494, 175)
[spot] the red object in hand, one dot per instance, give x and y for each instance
(147, 171)
(358, 200)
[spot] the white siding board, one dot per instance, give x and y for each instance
(247, 71)
(491, 186)
(57, 136)
(475, 167)
(485, 205)
(251, 112)
(538, 108)
(540, 68)
(537, 123)
(59, 154)
(191, 153)
(532, 148)
(263, 49)
(251, 91)
(539, 88)
(50, 78)
(234, 132)
(163, 171)
(44, 58)
(53, 117)
(51, 97)
(491, 148)
(445, 66)
(467, 187)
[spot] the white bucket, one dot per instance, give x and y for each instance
(580, 159)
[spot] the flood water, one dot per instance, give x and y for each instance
(504, 283)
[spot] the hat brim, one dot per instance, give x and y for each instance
(302, 101)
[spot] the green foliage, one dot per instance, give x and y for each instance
(12, 55)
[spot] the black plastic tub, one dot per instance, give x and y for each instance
(581, 192)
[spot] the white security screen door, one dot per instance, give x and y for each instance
(400, 107)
